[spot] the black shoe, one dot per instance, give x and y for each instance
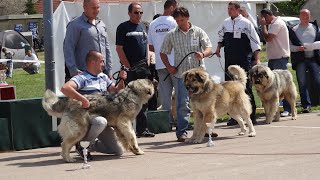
(307, 109)
(79, 151)
(232, 122)
(254, 122)
(213, 134)
(145, 133)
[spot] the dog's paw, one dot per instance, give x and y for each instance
(252, 134)
(241, 133)
(294, 118)
(267, 122)
(140, 152)
(68, 159)
(136, 151)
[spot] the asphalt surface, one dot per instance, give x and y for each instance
(283, 150)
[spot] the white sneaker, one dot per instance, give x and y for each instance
(284, 114)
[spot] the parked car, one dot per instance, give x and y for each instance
(290, 21)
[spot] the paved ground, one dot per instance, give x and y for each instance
(284, 150)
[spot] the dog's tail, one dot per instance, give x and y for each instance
(238, 74)
(53, 105)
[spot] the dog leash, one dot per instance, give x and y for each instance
(116, 75)
(183, 59)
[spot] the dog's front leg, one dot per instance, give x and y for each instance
(198, 120)
(129, 136)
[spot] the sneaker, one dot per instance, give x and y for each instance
(182, 138)
(284, 114)
(232, 122)
(307, 109)
(213, 134)
(145, 133)
(79, 151)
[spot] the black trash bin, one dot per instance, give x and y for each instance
(314, 95)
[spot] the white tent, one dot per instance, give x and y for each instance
(207, 14)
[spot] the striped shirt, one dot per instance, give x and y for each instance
(183, 43)
(88, 83)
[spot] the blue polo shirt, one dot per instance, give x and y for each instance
(88, 83)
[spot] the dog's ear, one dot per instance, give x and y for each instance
(201, 77)
(130, 85)
(184, 76)
(250, 74)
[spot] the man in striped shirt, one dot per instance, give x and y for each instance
(184, 39)
(94, 81)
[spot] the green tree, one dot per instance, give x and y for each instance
(30, 8)
(290, 8)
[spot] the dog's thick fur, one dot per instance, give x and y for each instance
(210, 100)
(119, 109)
(273, 86)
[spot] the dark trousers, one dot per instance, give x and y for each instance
(153, 102)
(141, 119)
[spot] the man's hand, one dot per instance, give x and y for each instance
(263, 21)
(301, 48)
(123, 74)
(85, 103)
(218, 53)
(172, 70)
(199, 55)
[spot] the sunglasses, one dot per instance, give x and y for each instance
(137, 12)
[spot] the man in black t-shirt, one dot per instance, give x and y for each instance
(132, 48)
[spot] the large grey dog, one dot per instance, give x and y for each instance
(119, 109)
(273, 86)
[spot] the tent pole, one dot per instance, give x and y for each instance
(48, 45)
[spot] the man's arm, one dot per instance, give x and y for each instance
(121, 85)
(267, 36)
(165, 60)
(219, 46)
(69, 89)
(108, 66)
(122, 56)
(151, 47)
(148, 56)
(69, 45)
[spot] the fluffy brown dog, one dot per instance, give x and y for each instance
(119, 109)
(210, 100)
(273, 86)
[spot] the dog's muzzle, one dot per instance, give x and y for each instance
(257, 81)
(191, 90)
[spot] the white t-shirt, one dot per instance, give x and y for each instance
(158, 29)
(33, 57)
(278, 47)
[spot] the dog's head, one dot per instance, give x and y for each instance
(143, 88)
(260, 75)
(197, 81)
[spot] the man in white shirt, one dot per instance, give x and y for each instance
(31, 67)
(278, 46)
(158, 29)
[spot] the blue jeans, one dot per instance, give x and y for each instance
(165, 90)
(313, 68)
(183, 111)
(280, 64)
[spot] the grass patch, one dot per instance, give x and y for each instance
(29, 85)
